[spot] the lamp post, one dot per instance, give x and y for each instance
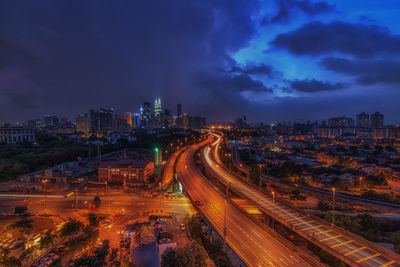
(273, 196)
(45, 193)
(360, 182)
(225, 230)
(333, 206)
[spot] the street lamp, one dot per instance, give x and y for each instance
(45, 193)
(273, 196)
(360, 182)
(333, 206)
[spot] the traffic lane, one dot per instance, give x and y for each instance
(263, 248)
(358, 252)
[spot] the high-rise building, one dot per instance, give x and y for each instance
(341, 122)
(50, 120)
(128, 118)
(104, 120)
(167, 118)
(157, 107)
(376, 120)
(179, 110)
(186, 121)
(120, 124)
(145, 115)
(136, 120)
(362, 120)
(83, 123)
(93, 123)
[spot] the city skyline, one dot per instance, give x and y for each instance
(222, 60)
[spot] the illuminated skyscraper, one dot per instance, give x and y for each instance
(157, 107)
(128, 118)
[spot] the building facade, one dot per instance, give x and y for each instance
(13, 135)
(362, 120)
(376, 120)
(125, 170)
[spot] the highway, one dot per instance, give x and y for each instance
(170, 169)
(250, 242)
(311, 189)
(354, 250)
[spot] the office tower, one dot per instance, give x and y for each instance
(120, 124)
(376, 120)
(362, 120)
(179, 111)
(83, 123)
(167, 118)
(128, 118)
(136, 120)
(145, 115)
(93, 123)
(157, 107)
(50, 120)
(104, 120)
(186, 121)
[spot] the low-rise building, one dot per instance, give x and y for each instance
(128, 170)
(13, 135)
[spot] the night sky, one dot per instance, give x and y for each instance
(280, 60)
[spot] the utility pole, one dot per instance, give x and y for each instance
(333, 206)
(225, 230)
(76, 198)
(45, 193)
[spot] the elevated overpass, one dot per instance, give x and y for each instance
(254, 245)
(346, 246)
(270, 180)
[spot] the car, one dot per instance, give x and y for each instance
(182, 227)
(197, 202)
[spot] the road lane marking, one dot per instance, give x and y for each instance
(351, 252)
(302, 223)
(308, 228)
(295, 219)
(388, 263)
(337, 245)
(323, 232)
(322, 240)
(367, 258)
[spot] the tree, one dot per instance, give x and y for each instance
(71, 227)
(8, 261)
(255, 174)
(97, 202)
(93, 219)
(24, 224)
(172, 258)
(395, 239)
(47, 240)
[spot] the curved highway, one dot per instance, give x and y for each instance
(250, 242)
(355, 251)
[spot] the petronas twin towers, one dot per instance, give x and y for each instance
(157, 107)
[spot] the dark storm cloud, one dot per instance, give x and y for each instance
(311, 86)
(286, 8)
(366, 71)
(359, 40)
(260, 69)
(121, 53)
